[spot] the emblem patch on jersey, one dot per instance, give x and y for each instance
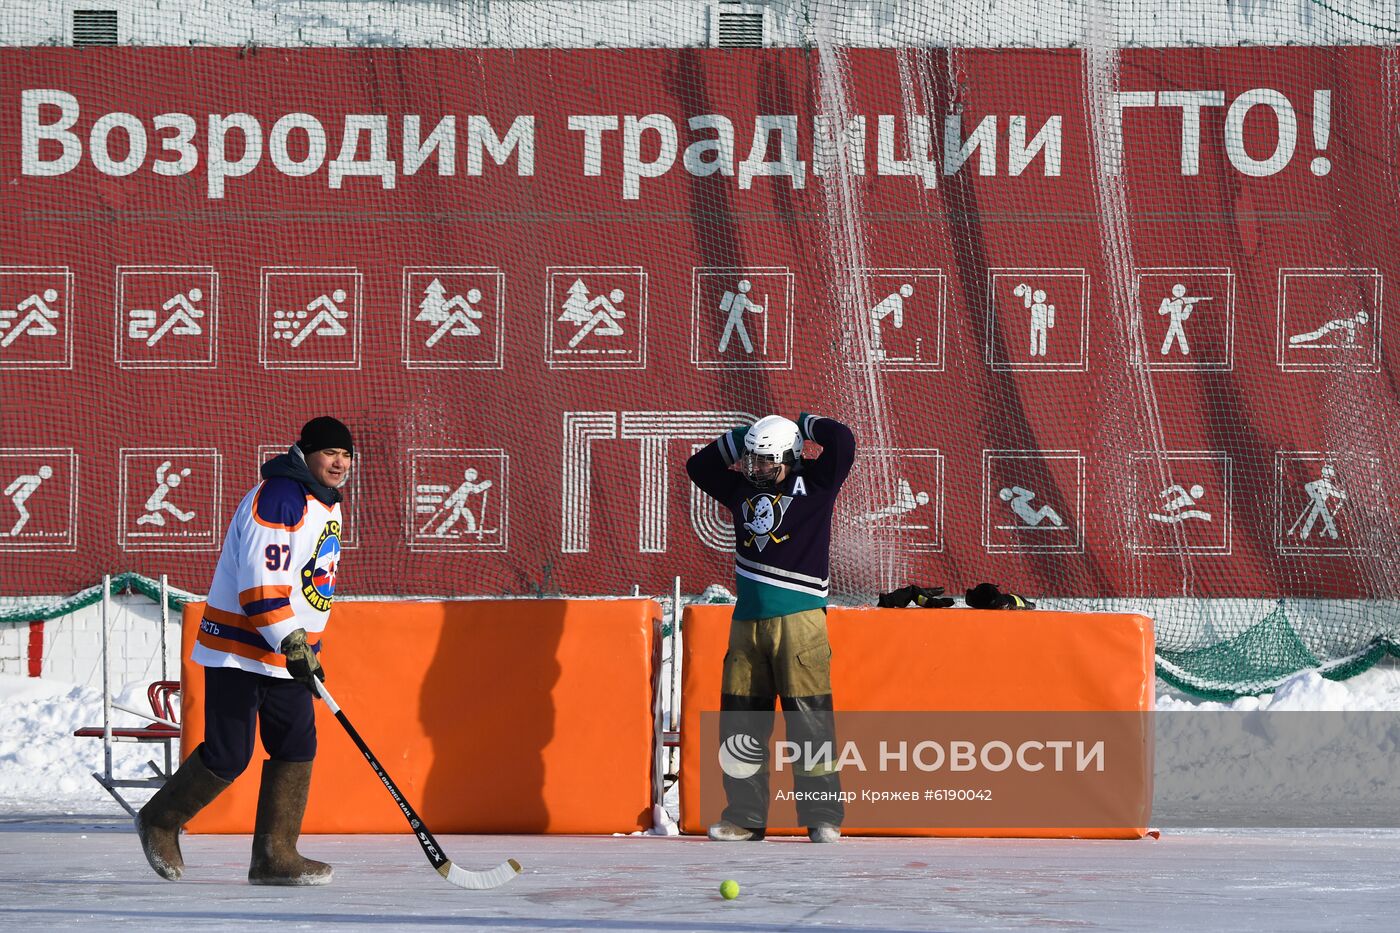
(763, 514)
(318, 574)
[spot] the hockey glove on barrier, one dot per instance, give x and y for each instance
(925, 597)
(896, 599)
(931, 597)
(987, 596)
(302, 662)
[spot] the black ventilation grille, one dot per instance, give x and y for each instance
(94, 27)
(738, 30)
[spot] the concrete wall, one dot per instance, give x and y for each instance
(73, 645)
(688, 23)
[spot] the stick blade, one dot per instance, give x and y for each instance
(480, 880)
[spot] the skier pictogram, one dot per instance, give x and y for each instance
(1321, 492)
(457, 507)
(455, 316)
(592, 314)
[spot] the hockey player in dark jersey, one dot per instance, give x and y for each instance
(782, 506)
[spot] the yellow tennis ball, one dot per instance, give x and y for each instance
(729, 889)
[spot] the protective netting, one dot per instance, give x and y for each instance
(1105, 309)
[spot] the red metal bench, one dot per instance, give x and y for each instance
(164, 729)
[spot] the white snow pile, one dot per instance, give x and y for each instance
(1376, 690)
(44, 766)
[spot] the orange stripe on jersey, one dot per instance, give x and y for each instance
(235, 619)
(229, 646)
(245, 624)
(264, 592)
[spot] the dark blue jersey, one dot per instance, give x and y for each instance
(782, 547)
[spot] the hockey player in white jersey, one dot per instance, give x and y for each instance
(258, 644)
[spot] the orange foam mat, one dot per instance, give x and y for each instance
(493, 716)
(953, 660)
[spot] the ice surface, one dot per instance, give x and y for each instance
(85, 872)
(69, 859)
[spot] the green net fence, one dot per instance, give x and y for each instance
(21, 611)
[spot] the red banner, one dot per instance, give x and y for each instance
(1091, 326)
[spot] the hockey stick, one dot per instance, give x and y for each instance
(455, 874)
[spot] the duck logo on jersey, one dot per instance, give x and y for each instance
(318, 574)
(763, 514)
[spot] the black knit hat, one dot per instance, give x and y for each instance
(323, 432)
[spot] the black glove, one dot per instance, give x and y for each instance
(931, 597)
(987, 596)
(896, 599)
(925, 597)
(302, 662)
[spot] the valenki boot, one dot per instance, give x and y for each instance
(725, 831)
(189, 790)
(281, 803)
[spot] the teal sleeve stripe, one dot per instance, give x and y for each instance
(731, 445)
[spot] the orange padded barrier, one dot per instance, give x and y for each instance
(955, 660)
(493, 716)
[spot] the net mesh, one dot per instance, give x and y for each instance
(1099, 287)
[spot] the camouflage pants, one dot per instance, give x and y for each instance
(789, 657)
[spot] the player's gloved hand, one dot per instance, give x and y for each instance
(302, 662)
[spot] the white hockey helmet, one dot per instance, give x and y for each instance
(770, 443)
